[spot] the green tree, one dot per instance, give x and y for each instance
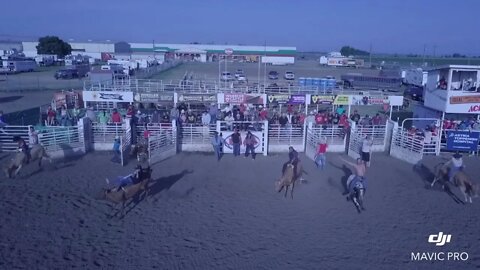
(53, 45)
(347, 51)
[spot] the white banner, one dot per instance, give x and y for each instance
(107, 96)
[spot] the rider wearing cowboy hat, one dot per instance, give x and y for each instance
(455, 164)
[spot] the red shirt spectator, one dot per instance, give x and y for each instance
(343, 120)
(130, 111)
(301, 118)
(322, 148)
(242, 108)
(319, 119)
(263, 114)
(146, 134)
(116, 117)
(290, 108)
(377, 120)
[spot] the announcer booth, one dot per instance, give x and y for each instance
(454, 91)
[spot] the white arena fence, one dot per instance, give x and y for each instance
(162, 145)
(335, 138)
(259, 130)
(280, 138)
(406, 147)
(103, 136)
(196, 137)
(63, 141)
(7, 134)
(378, 133)
(125, 143)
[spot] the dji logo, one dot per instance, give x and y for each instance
(439, 239)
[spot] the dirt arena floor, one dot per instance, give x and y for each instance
(204, 214)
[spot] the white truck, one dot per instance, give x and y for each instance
(17, 66)
(278, 60)
(416, 77)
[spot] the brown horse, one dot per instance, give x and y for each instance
(288, 178)
(123, 195)
(139, 150)
(36, 153)
(468, 188)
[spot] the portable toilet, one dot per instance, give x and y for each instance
(331, 83)
(309, 82)
(301, 81)
(323, 84)
(316, 82)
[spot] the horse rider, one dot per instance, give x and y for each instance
(292, 159)
(455, 164)
(123, 181)
(22, 146)
(356, 180)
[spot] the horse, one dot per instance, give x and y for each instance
(288, 178)
(441, 173)
(139, 150)
(37, 152)
(356, 193)
(124, 194)
(468, 188)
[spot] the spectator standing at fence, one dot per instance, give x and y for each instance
(250, 143)
(355, 117)
(320, 157)
(236, 142)
(217, 145)
(116, 150)
(64, 115)
(91, 114)
(76, 114)
(366, 121)
(103, 119)
(213, 111)
(377, 120)
(319, 119)
(340, 110)
(156, 117)
(174, 114)
(263, 114)
(229, 120)
(32, 137)
(427, 136)
(130, 111)
(283, 120)
(116, 117)
(366, 150)
(50, 116)
(206, 118)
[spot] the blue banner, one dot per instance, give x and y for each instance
(462, 140)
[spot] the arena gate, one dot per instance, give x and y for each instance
(280, 138)
(259, 130)
(335, 136)
(411, 147)
(380, 135)
(162, 144)
(125, 143)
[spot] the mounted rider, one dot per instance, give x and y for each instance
(123, 181)
(455, 165)
(357, 180)
(293, 159)
(22, 147)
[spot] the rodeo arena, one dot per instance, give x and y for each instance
(216, 174)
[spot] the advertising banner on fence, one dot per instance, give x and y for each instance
(197, 98)
(228, 147)
(286, 99)
(154, 98)
(108, 96)
(322, 99)
(242, 98)
(369, 100)
(341, 100)
(462, 140)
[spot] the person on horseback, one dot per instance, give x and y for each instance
(123, 181)
(455, 164)
(356, 180)
(22, 147)
(292, 159)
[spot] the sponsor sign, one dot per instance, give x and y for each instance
(474, 108)
(153, 97)
(228, 51)
(319, 99)
(370, 100)
(242, 98)
(108, 96)
(465, 100)
(341, 100)
(462, 140)
(286, 99)
(197, 98)
(228, 147)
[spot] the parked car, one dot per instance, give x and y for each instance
(226, 76)
(289, 75)
(415, 92)
(273, 75)
(242, 78)
(238, 73)
(66, 74)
